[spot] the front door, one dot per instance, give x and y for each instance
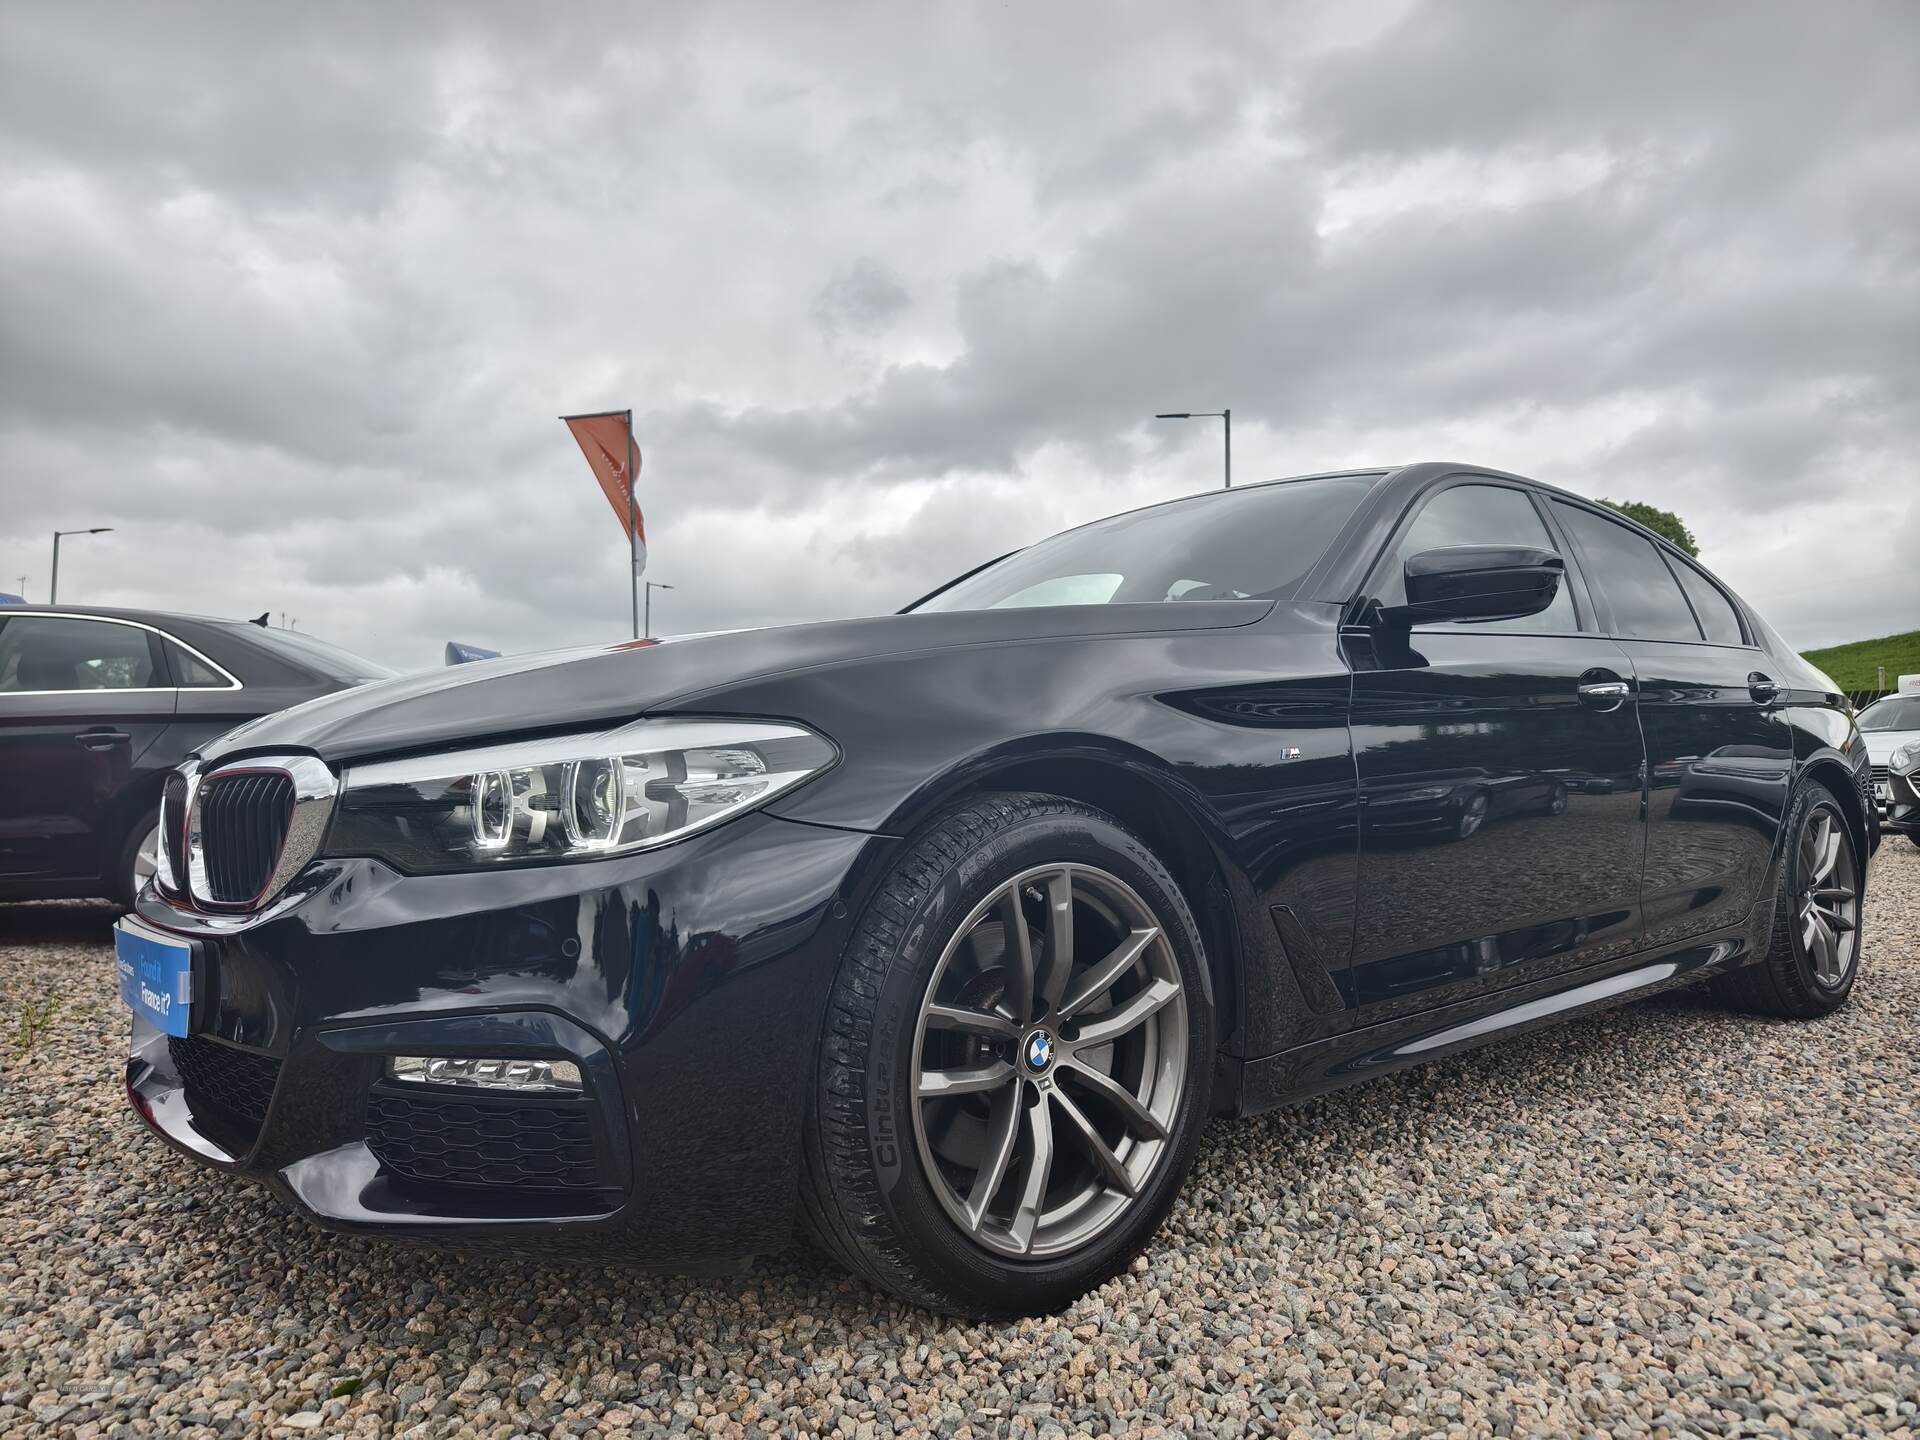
(1499, 768)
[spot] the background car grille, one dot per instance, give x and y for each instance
(522, 1142)
(243, 824)
(173, 808)
(238, 1082)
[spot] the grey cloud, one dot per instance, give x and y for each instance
(300, 293)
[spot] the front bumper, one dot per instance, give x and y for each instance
(687, 984)
(1901, 810)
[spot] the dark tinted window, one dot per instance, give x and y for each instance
(1630, 576)
(1478, 515)
(314, 656)
(1712, 608)
(55, 652)
(190, 672)
(1237, 544)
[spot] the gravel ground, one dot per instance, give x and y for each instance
(1666, 1220)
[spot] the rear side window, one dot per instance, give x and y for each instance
(1712, 608)
(1627, 571)
(57, 652)
(1478, 515)
(191, 672)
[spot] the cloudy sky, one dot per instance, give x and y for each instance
(291, 296)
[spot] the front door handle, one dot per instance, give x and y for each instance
(1761, 687)
(101, 739)
(1605, 694)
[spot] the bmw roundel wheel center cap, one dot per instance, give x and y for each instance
(1037, 1051)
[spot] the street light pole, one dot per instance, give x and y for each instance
(1226, 434)
(53, 583)
(651, 586)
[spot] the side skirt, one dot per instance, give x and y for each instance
(1361, 1054)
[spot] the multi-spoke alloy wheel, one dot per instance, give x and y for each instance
(1017, 1061)
(1829, 901)
(1049, 1060)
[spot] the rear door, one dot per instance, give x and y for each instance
(1501, 834)
(81, 701)
(1719, 750)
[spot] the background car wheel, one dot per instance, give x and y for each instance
(1814, 955)
(137, 857)
(1473, 813)
(1017, 1062)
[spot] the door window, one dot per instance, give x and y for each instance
(58, 652)
(1710, 605)
(1628, 573)
(1479, 515)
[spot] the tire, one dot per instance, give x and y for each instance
(1788, 981)
(130, 870)
(1915, 839)
(884, 1171)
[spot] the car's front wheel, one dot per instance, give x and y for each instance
(1016, 1065)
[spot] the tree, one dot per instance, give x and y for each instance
(1663, 523)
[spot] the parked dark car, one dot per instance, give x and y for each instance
(97, 706)
(942, 933)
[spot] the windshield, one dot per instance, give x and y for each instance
(1258, 543)
(312, 654)
(1895, 712)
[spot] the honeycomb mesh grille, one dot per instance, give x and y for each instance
(461, 1141)
(232, 1080)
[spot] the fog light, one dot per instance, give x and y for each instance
(552, 1076)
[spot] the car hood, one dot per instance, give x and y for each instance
(583, 688)
(1882, 743)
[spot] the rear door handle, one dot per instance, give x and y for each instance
(101, 739)
(1761, 687)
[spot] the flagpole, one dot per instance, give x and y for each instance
(633, 530)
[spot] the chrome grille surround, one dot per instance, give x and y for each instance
(313, 789)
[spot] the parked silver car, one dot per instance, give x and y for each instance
(1891, 728)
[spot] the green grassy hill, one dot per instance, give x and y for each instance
(1852, 666)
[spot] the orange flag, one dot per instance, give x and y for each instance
(607, 441)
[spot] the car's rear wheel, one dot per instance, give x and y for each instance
(139, 855)
(1017, 1061)
(1813, 958)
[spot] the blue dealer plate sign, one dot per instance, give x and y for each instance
(156, 976)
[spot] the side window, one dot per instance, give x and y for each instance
(1710, 606)
(1478, 515)
(191, 672)
(48, 652)
(1627, 571)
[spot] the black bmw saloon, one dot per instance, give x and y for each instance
(938, 936)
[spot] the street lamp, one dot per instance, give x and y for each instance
(53, 585)
(1226, 415)
(650, 586)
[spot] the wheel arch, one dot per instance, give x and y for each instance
(1833, 772)
(1126, 787)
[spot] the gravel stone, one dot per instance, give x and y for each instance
(1668, 1220)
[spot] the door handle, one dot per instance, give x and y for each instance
(1605, 694)
(101, 739)
(1761, 687)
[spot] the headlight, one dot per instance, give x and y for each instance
(571, 797)
(1906, 759)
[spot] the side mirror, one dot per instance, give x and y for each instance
(1477, 582)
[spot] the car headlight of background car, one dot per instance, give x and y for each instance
(1906, 759)
(569, 797)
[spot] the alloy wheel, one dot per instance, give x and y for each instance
(146, 859)
(1049, 1061)
(1829, 909)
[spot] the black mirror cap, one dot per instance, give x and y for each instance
(1477, 582)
